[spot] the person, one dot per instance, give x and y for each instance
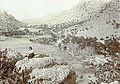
(59, 45)
(0, 53)
(31, 53)
(5, 53)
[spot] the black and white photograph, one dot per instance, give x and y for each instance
(59, 41)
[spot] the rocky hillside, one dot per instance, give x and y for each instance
(105, 23)
(8, 22)
(101, 17)
(83, 10)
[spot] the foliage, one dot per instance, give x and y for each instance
(110, 71)
(8, 72)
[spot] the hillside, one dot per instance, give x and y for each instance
(82, 11)
(8, 22)
(43, 19)
(95, 18)
(105, 23)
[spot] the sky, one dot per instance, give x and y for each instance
(30, 9)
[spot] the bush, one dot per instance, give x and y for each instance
(110, 71)
(8, 73)
(111, 45)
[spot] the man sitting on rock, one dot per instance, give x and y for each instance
(31, 53)
(0, 53)
(4, 53)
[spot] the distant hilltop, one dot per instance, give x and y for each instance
(83, 10)
(9, 22)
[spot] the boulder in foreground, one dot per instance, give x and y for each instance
(54, 75)
(29, 64)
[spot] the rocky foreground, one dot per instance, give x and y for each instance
(45, 70)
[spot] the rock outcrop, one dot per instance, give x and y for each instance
(47, 70)
(27, 64)
(54, 75)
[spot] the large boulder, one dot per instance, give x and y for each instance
(54, 75)
(29, 64)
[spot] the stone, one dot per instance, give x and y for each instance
(29, 64)
(54, 75)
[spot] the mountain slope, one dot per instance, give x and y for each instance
(85, 9)
(105, 23)
(8, 22)
(43, 19)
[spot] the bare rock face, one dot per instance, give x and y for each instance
(54, 75)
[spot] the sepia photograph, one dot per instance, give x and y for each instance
(59, 41)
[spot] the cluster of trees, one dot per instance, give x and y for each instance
(43, 40)
(111, 46)
(21, 32)
(42, 26)
(12, 33)
(80, 41)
